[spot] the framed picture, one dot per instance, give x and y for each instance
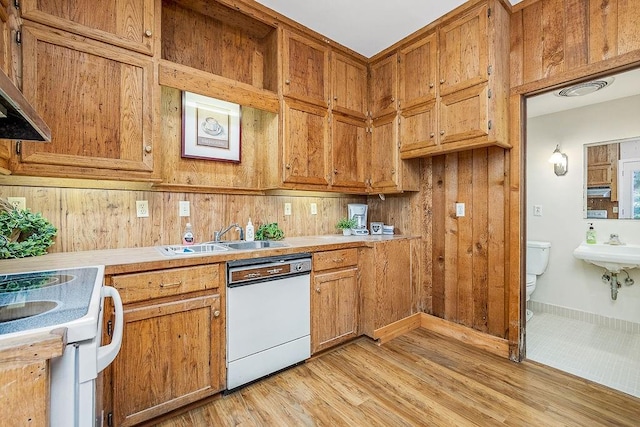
(210, 128)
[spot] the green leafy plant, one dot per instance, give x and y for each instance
(24, 233)
(346, 223)
(269, 232)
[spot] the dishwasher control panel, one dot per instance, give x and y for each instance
(243, 272)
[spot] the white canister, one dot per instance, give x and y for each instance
(376, 227)
(387, 229)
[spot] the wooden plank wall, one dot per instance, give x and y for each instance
(562, 38)
(90, 219)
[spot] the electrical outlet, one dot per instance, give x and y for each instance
(314, 209)
(287, 208)
(18, 202)
(184, 208)
(142, 208)
(459, 209)
(537, 210)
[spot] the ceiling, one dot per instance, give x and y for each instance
(624, 84)
(365, 26)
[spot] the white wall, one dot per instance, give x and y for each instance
(569, 282)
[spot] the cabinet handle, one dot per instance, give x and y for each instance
(318, 290)
(335, 98)
(430, 85)
(216, 313)
(431, 135)
(337, 260)
(393, 171)
(335, 171)
(393, 99)
(171, 285)
(441, 132)
(147, 149)
(287, 166)
(148, 33)
(287, 82)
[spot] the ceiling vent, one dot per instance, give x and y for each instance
(585, 88)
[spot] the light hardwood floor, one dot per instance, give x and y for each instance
(419, 379)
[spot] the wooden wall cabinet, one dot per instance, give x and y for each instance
(386, 284)
(305, 66)
(383, 86)
(334, 298)
(305, 144)
(98, 102)
(126, 23)
(348, 86)
(350, 145)
(173, 347)
(465, 107)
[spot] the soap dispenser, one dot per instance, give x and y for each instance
(591, 234)
(187, 237)
(249, 232)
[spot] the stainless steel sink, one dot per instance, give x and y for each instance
(201, 249)
(258, 244)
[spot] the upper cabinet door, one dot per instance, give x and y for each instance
(418, 72)
(384, 86)
(305, 69)
(464, 51)
(98, 103)
(305, 143)
(349, 152)
(125, 23)
(349, 86)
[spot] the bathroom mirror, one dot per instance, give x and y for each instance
(612, 179)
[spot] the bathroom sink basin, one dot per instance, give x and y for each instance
(201, 249)
(258, 244)
(611, 257)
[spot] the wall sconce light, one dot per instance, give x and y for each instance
(559, 161)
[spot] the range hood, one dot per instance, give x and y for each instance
(18, 119)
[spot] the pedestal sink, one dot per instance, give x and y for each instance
(613, 258)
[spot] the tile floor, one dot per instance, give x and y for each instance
(606, 356)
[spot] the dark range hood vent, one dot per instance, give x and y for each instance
(18, 119)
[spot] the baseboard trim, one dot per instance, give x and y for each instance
(495, 345)
(395, 329)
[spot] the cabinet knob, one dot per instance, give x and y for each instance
(441, 132)
(393, 99)
(287, 166)
(147, 149)
(216, 313)
(288, 82)
(318, 290)
(335, 171)
(393, 171)
(431, 135)
(335, 98)
(441, 81)
(430, 85)
(148, 33)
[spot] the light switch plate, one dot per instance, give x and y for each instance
(314, 209)
(184, 208)
(459, 209)
(537, 210)
(287, 208)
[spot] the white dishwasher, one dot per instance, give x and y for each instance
(268, 316)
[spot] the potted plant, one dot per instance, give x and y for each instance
(23, 233)
(269, 232)
(346, 224)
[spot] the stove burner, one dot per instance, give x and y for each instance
(30, 281)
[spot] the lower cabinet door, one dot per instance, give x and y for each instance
(171, 355)
(334, 308)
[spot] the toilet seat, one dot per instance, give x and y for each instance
(531, 280)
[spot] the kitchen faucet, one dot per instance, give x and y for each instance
(218, 234)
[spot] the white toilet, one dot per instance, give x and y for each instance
(537, 260)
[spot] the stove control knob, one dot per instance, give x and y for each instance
(298, 266)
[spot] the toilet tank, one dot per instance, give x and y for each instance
(537, 256)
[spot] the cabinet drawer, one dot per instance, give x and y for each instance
(162, 283)
(335, 259)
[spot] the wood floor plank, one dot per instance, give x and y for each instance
(418, 379)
